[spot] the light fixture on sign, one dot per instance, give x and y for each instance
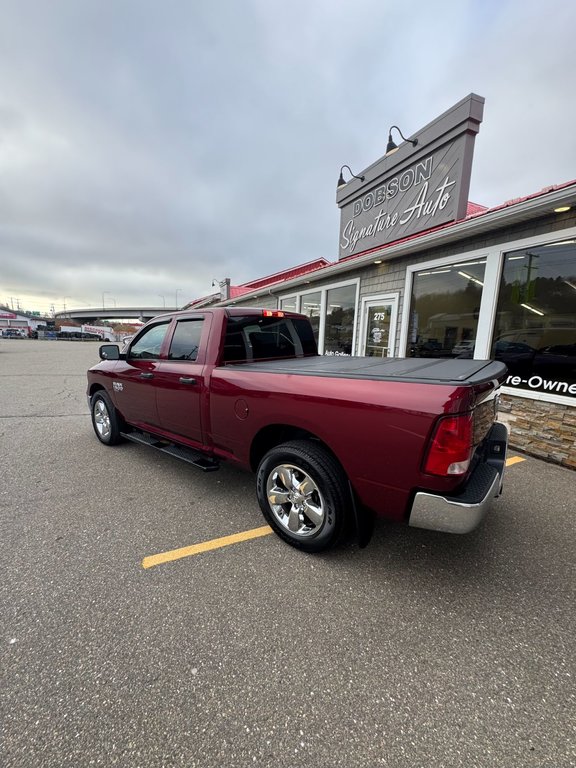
(377, 261)
(562, 209)
(392, 146)
(341, 182)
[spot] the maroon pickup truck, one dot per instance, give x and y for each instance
(333, 440)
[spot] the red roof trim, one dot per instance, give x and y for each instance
(238, 290)
(286, 274)
(263, 282)
(473, 208)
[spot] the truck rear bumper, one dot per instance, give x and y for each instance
(463, 512)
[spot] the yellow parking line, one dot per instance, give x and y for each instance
(205, 546)
(514, 460)
(235, 538)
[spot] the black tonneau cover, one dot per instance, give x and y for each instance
(429, 370)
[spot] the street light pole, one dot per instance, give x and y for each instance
(178, 290)
(103, 294)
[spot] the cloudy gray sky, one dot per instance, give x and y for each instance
(149, 147)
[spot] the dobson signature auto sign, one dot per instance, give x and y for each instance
(414, 188)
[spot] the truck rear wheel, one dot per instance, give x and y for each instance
(303, 494)
(105, 419)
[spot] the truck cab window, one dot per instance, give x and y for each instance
(186, 340)
(253, 338)
(147, 346)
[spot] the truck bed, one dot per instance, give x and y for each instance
(465, 372)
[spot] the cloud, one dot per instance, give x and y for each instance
(147, 148)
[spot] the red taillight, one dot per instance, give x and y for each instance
(272, 313)
(452, 445)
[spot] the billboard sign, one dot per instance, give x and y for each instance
(414, 188)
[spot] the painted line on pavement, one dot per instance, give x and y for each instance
(235, 538)
(205, 546)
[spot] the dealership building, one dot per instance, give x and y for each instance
(424, 273)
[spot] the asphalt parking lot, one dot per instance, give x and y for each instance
(421, 650)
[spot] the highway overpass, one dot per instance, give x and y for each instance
(91, 314)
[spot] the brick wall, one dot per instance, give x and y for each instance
(545, 430)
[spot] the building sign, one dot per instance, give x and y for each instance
(537, 383)
(413, 188)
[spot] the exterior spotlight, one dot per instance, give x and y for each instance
(391, 146)
(341, 181)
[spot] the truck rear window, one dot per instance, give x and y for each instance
(267, 338)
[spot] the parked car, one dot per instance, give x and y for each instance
(464, 348)
(429, 348)
(13, 333)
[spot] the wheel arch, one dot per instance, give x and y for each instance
(276, 434)
(97, 386)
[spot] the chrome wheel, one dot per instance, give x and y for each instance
(102, 420)
(106, 420)
(295, 500)
(303, 494)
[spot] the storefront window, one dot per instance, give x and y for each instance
(289, 304)
(444, 310)
(339, 330)
(310, 305)
(535, 329)
(332, 313)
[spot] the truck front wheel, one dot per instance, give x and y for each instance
(303, 494)
(105, 419)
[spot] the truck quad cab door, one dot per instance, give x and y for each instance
(179, 380)
(134, 377)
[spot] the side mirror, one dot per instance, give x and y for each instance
(109, 352)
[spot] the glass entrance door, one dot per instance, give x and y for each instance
(379, 316)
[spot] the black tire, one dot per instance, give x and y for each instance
(105, 419)
(311, 494)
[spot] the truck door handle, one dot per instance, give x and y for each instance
(146, 375)
(187, 380)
